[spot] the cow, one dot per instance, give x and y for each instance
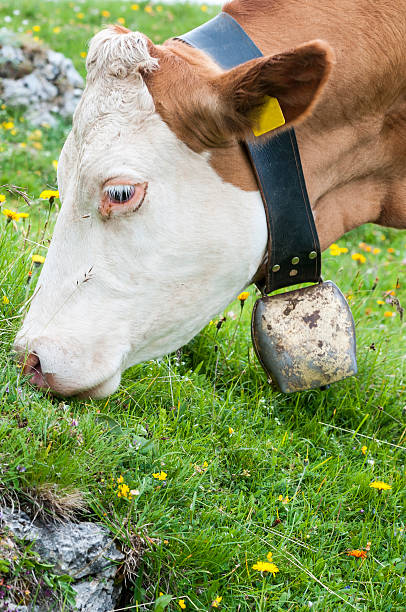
(162, 223)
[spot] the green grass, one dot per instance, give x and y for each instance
(208, 524)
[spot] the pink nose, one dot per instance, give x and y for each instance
(32, 367)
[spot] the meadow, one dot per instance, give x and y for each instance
(223, 492)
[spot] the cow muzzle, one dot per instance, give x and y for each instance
(62, 372)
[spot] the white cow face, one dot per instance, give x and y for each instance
(150, 242)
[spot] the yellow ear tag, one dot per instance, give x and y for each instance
(270, 118)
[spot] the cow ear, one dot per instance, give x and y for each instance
(296, 78)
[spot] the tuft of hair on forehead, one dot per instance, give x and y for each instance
(118, 52)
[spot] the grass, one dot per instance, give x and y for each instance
(245, 470)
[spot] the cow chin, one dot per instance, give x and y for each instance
(103, 389)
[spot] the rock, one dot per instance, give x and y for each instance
(43, 80)
(34, 86)
(19, 524)
(95, 596)
(79, 550)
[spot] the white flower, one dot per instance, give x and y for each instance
(7, 19)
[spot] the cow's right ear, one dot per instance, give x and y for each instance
(296, 78)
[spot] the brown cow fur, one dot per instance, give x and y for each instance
(353, 145)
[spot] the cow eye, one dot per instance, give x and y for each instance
(120, 193)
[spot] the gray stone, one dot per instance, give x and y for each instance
(79, 550)
(44, 81)
(31, 89)
(19, 524)
(96, 595)
(11, 54)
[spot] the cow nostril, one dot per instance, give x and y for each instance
(31, 364)
(32, 367)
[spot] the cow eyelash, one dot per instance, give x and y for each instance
(120, 193)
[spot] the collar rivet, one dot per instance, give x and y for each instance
(276, 268)
(312, 255)
(295, 260)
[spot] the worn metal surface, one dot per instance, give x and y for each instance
(305, 339)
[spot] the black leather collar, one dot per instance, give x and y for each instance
(293, 245)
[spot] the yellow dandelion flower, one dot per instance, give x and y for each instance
(23, 145)
(203, 8)
(388, 314)
(56, 30)
(83, 54)
(159, 8)
(269, 556)
(2, 197)
(376, 251)
(182, 604)
(37, 259)
(359, 257)
(105, 13)
(120, 479)
(37, 145)
(135, 7)
(160, 475)
(265, 566)
(216, 602)
(5, 300)
(391, 250)
(364, 450)
(230, 431)
(48, 193)
(148, 9)
(13, 132)
(121, 20)
(335, 249)
(381, 486)
(13, 215)
(80, 15)
(124, 489)
(160, 594)
(36, 28)
(8, 125)
(36, 38)
(243, 296)
(55, 164)
(380, 302)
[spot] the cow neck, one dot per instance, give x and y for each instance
(293, 249)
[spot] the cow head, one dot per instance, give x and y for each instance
(152, 239)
